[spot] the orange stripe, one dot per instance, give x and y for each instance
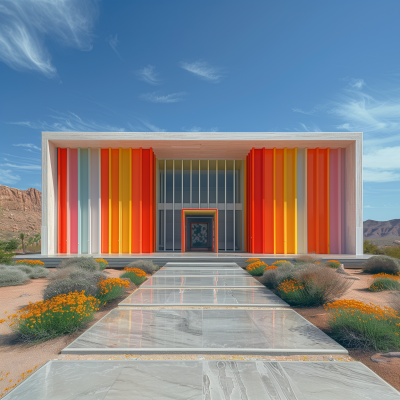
(114, 200)
(279, 201)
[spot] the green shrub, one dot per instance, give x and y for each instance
(282, 263)
(60, 315)
(381, 284)
(307, 259)
(307, 284)
(371, 248)
(68, 285)
(9, 245)
(6, 257)
(333, 264)
(145, 265)
(137, 280)
(102, 265)
(10, 276)
(111, 288)
(384, 264)
(392, 251)
(39, 272)
(358, 325)
(84, 262)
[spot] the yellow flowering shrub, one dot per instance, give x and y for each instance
(136, 275)
(389, 276)
(60, 315)
(256, 268)
(361, 325)
(30, 262)
(110, 289)
(333, 263)
(102, 263)
(281, 262)
(251, 260)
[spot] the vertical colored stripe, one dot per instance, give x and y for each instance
(269, 200)
(279, 201)
(84, 200)
(151, 183)
(73, 200)
(334, 201)
(146, 200)
(285, 205)
(125, 176)
(94, 200)
(291, 200)
(62, 200)
(105, 200)
(135, 245)
(323, 203)
(301, 202)
(114, 192)
(257, 194)
(311, 200)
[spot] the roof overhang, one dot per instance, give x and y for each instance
(202, 145)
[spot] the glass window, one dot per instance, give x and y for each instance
(195, 182)
(238, 166)
(203, 181)
(169, 181)
(221, 181)
(212, 181)
(186, 181)
(161, 177)
(178, 181)
(229, 181)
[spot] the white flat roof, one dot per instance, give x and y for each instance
(202, 145)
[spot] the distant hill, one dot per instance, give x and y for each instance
(21, 211)
(375, 229)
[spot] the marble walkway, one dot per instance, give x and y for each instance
(217, 309)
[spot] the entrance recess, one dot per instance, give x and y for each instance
(199, 230)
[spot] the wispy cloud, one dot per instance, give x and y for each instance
(157, 98)
(148, 75)
(28, 145)
(7, 177)
(203, 70)
(376, 112)
(29, 167)
(199, 129)
(24, 25)
(69, 122)
(113, 41)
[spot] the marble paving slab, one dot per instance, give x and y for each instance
(201, 282)
(201, 272)
(203, 380)
(196, 331)
(216, 265)
(258, 297)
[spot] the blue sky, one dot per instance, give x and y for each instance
(74, 65)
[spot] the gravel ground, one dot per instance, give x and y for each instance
(18, 360)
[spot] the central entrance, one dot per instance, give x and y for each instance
(199, 230)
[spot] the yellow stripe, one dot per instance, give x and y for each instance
(109, 200)
(274, 202)
(295, 200)
(245, 202)
(285, 200)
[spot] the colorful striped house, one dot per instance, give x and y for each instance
(260, 193)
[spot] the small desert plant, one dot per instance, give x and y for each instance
(22, 237)
(145, 265)
(86, 263)
(386, 264)
(280, 263)
(136, 275)
(384, 283)
(10, 276)
(111, 288)
(102, 263)
(68, 285)
(256, 268)
(252, 260)
(25, 268)
(333, 263)
(366, 326)
(371, 248)
(307, 259)
(392, 251)
(63, 314)
(39, 272)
